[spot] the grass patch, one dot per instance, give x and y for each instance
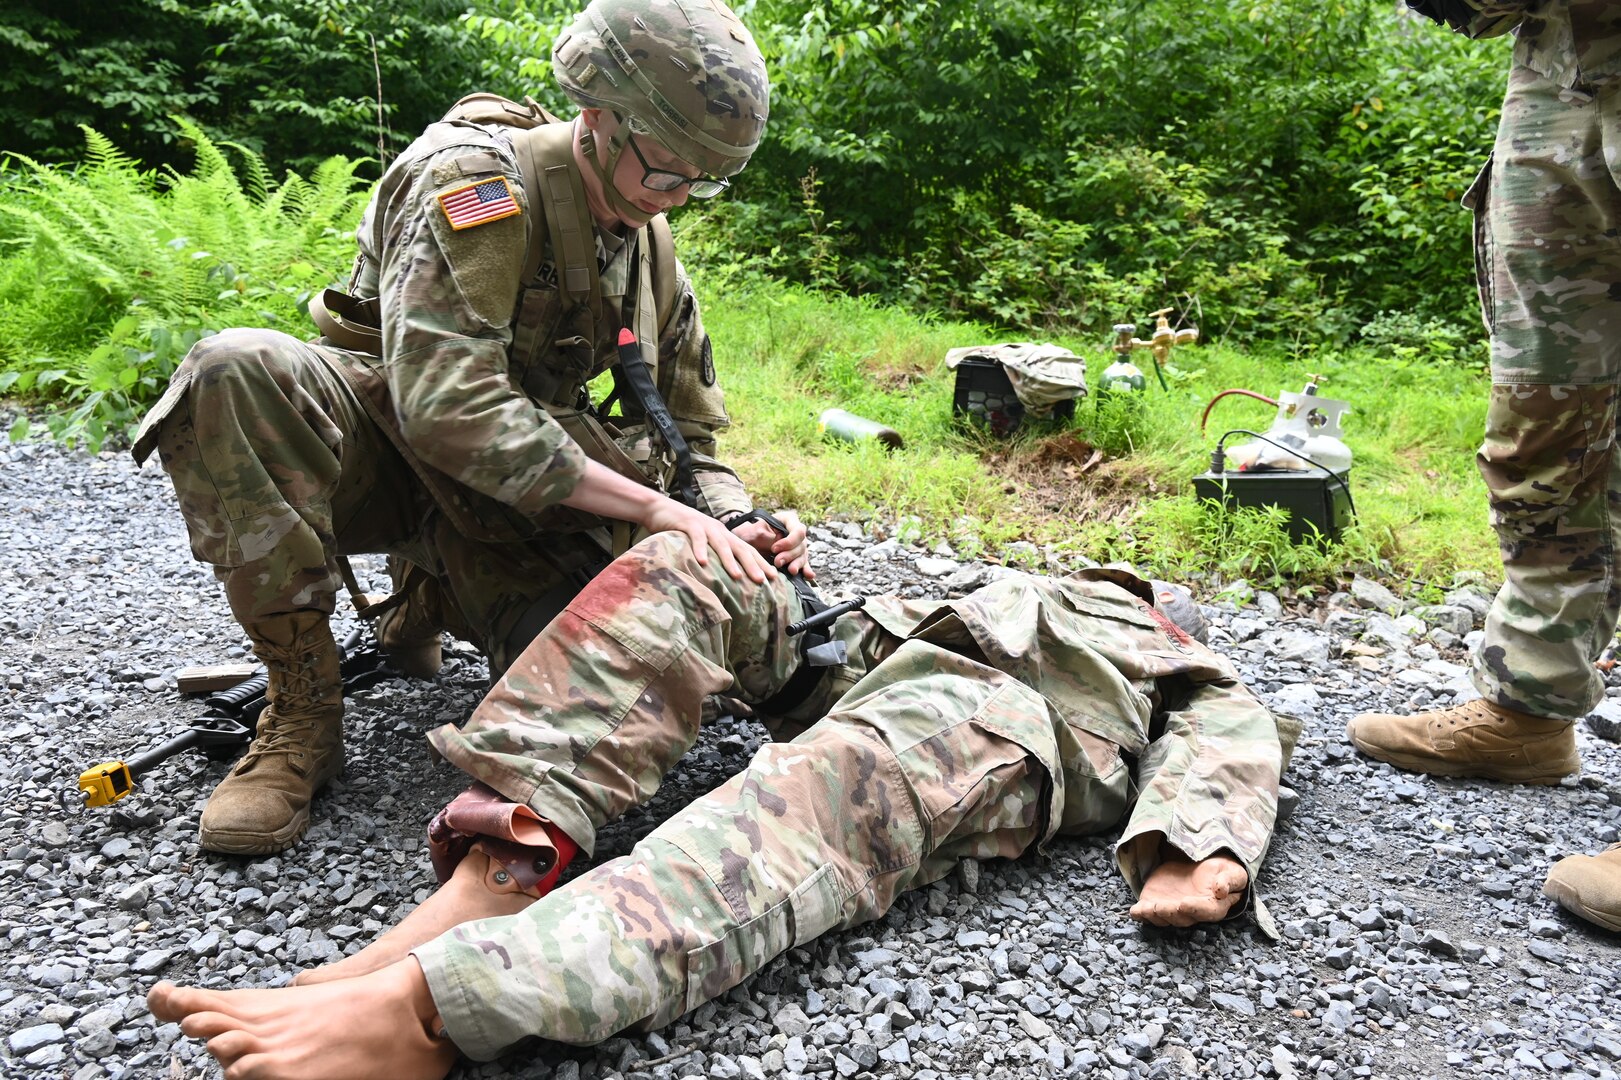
(109, 272)
(1115, 483)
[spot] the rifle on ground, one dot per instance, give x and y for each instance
(226, 727)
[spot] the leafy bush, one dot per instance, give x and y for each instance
(1283, 168)
(1180, 537)
(1289, 168)
(294, 80)
(108, 273)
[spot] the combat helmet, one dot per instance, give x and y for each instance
(685, 72)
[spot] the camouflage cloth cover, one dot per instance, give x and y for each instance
(1042, 375)
(1550, 277)
(1571, 43)
(974, 728)
(687, 71)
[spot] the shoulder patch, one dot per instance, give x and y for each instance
(479, 203)
(707, 372)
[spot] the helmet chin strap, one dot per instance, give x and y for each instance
(604, 164)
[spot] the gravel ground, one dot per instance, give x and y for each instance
(1416, 941)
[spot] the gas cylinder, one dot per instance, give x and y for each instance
(852, 428)
(1121, 376)
(1305, 434)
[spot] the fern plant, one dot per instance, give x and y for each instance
(109, 272)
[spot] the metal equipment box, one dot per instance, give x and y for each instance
(1316, 498)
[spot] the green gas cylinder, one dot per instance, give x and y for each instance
(1121, 376)
(852, 428)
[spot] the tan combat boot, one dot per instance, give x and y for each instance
(1589, 886)
(263, 805)
(411, 634)
(1477, 738)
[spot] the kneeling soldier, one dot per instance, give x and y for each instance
(505, 261)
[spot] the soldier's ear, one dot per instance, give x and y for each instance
(592, 118)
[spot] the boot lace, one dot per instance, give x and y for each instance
(285, 727)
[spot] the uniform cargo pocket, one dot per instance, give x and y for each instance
(1476, 199)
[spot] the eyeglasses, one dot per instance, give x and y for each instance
(699, 187)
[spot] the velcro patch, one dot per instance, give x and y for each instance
(479, 203)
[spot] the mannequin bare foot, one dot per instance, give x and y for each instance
(471, 893)
(1181, 892)
(376, 1027)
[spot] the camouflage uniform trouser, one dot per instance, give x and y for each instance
(1549, 261)
(279, 469)
(926, 755)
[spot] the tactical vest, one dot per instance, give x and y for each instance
(551, 360)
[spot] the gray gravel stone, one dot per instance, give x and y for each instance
(1605, 720)
(29, 1039)
(1370, 594)
(1235, 1002)
(999, 971)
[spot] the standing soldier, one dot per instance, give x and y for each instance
(506, 259)
(1549, 263)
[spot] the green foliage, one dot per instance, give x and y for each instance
(1180, 537)
(295, 80)
(1280, 169)
(1284, 173)
(110, 272)
(1409, 335)
(514, 48)
(788, 352)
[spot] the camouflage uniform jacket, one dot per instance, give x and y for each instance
(462, 380)
(1569, 42)
(1109, 664)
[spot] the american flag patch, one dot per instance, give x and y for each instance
(474, 204)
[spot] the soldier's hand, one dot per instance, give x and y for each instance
(737, 556)
(791, 553)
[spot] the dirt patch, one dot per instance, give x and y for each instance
(1067, 476)
(895, 380)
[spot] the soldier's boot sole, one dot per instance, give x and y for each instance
(1476, 739)
(227, 842)
(1569, 899)
(1589, 887)
(1541, 773)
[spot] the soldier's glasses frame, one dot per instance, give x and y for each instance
(699, 187)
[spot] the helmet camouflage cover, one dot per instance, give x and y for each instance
(686, 72)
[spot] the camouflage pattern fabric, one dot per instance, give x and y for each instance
(714, 121)
(285, 454)
(456, 387)
(1550, 283)
(1572, 43)
(278, 470)
(1042, 375)
(979, 728)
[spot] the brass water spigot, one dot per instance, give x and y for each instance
(1162, 340)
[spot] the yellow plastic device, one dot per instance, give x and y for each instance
(104, 785)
